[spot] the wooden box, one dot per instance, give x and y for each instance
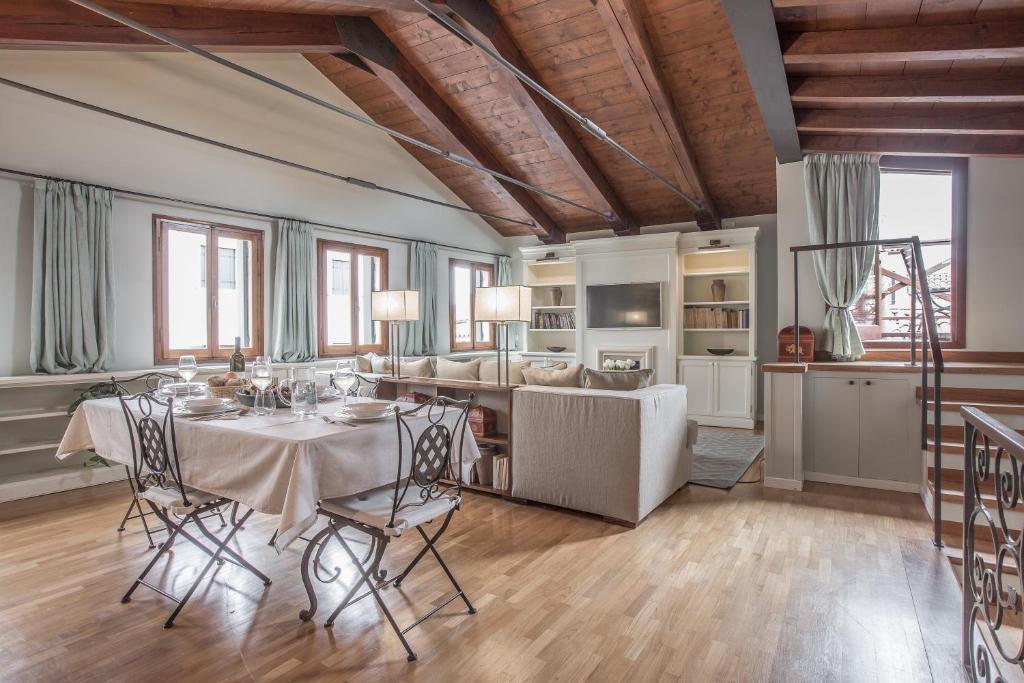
(413, 397)
(482, 421)
(787, 344)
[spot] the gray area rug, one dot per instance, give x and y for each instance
(721, 457)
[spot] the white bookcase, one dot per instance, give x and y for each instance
(545, 269)
(721, 387)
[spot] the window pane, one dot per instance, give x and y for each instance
(336, 274)
(462, 292)
(186, 289)
(483, 330)
(369, 279)
(234, 292)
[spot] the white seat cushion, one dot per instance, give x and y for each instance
(373, 508)
(170, 498)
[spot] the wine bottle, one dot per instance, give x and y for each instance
(237, 363)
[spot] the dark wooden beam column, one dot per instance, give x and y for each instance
(478, 17)
(56, 24)
(625, 26)
(362, 37)
(753, 26)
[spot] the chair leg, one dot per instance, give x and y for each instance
(163, 549)
(424, 549)
(314, 543)
(376, 554)
(451, 577)
(238, 559)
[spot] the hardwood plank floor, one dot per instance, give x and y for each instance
(747, 585)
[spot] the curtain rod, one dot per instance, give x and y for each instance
(246, 212)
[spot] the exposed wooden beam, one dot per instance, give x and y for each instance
(625, 26)
(990, 40)
(362, 37)
(753, 26)
(330, 7)
(979, 121)
(921, 145)
(945, 88)
(557, 132)
(56, 24)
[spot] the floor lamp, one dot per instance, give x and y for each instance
(503, 305)
(395, 306)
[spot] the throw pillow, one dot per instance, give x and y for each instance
(627, 380)
(451, 369)
(380, 365)
(489, 371)
(363, 364)
(417, 368)
(569, 377)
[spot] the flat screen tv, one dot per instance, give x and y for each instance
(636, 305)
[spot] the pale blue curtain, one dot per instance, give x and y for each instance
(295, 298)
(503, 277)
(842, 206)
(420, 338)
(72, 325)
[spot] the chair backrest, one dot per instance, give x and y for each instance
(115, 387)
(425, 449)
(366, 387)
(154, 445)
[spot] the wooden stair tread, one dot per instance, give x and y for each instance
(956, 557)
(994, 408)
(970, 395)
(947, 448)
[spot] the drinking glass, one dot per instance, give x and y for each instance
(187, 369)
(301, 385)
(262, 376)
(344, 378)
(165, 388)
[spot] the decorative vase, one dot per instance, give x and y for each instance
(556, 296)
(718, 290)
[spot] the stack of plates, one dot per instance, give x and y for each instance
(367, 411)
(183, 389)
(206, 406)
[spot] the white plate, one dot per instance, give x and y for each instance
(206, 406)
(183, 389)
(370, 408)
(347, 416)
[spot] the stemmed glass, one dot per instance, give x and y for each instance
(262, 375)
(187, 369)
(344, 378)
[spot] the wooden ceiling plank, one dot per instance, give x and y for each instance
(978, 121)
(906, 43)
(478, 17)
(967, 88)
(921, 145)
(625, 26)
(364, 38)
(55, 24)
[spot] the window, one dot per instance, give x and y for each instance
(344, 320)
(921, 196)
(464, 278)
(192, 318)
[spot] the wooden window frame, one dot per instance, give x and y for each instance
(957, 168)
(162, 353)
(337, 350)
(473, 344)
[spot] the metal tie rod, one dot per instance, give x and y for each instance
(358, 182)
(586, 123)
(451, 156)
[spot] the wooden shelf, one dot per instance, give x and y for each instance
(723, 271)
(716, 303)
(717, 329)
(482, 488)
(552, 329)
(496, 439)
(554, 308)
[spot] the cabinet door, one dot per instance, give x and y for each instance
(837, 426)
(699, 378)
(732, 381)
(885, 408)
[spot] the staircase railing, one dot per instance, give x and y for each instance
(993, 452)
(930, 346)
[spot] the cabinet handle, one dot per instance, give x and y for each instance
(868, 383)
(851, 382)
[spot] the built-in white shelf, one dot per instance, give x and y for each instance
(32, 414)
(716, 303)
(554, 308)
(552, 329)
(29, 447)
(723, 271)
(717, 329)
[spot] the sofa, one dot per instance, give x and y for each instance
(618, 454)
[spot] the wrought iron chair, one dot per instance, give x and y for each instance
(365, 387)
(156, 471)
(418, 496)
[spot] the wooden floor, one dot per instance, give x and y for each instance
(835, 584)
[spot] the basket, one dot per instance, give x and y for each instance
(226, 391)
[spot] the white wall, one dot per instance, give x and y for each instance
(995, 250)
(182, 91)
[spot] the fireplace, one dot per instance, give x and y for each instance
(625, 358)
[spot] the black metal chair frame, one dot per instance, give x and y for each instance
(420, 480)
(362, 380)
(156, 464)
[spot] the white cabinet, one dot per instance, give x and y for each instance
(719, 392)
(861, 428)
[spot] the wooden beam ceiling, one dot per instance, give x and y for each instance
(948, 88)
(56, 24)
(362, 37)
(478, 18)
(988, 121)
(918, 145)
(625, 25)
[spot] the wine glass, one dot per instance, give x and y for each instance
(187, 369)
(261, 376)
(344, 378)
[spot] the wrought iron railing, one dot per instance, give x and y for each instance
(930, 344)
(993, 462)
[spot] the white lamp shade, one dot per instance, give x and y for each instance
(503, 304)
(395, 305)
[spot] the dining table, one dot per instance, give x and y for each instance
(280, 464)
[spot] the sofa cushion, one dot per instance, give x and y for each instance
(451, 369)
(421, 367)
(622, 380)
(364, 364)
(569, 377)
(489, 371)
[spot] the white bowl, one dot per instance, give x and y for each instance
(369, 409)
(205, 405)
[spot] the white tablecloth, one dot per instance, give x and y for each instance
(277, 464)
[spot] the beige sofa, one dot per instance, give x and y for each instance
(618, 454)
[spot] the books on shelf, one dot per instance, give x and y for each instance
(716, 318)
(502, 480)
(554, 321)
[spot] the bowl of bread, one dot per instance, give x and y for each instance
(226, 385)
